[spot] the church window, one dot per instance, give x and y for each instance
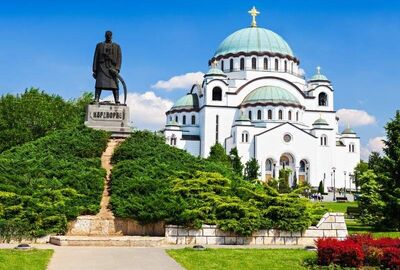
(254, 63)
(269, 114)
(276, 64)
(297, 116)
(259, 115)
(173, 139)
(241, 63)
(245, 137)
(268, 165)
(280, 113)
(323, 99)
(266, 63)
(287, 138)
(193, 120)
(234, 137)
(250, 115)
(352, 148)
(291, 69)
(176, 118)
(217, 93)
(324, 140)
(222, 65)
(184, 120)
(290, 115)
(302, 166)
(170, 118)
(231, 65)
(216, 128)
(285, 66)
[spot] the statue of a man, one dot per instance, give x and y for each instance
(106, 67)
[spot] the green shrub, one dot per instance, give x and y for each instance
(47, 182)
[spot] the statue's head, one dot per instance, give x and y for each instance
(108, 36)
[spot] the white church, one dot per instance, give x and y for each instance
(256, 98)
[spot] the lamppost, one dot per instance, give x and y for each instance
(351, 176)
(345, 183)
(331, 179)
(334, 183)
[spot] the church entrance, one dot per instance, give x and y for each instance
(286, 161)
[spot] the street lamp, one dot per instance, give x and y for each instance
(324, 181)
(345, 183)
(351, 176)
(334, 183)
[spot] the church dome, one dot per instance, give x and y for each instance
(349, 130)
(271, 95)
(214, 71)
(320, 122)
(253, 39)
(318, 76)
(190, 101)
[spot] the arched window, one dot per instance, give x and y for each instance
(173, 139)
(297, 116)
(170, 118)
(231, 65)
(291, 69)
(222, 65)
(259, 115)
(193, 119)
(269, 114)
(302, 166)
(250, 115)
(254, 63)
(322, 99)
(276, 64)
(184, 120)
(176, 118)
(268, 165)
(241, 63)
(216, 128)
(245, 137)
(290, 115)
(266, 63)
(352, 148)
(324, 140)
(285, 66)
(280, 115)
(217, 93)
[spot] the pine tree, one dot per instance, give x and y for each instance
(217, 154)
(236, 162)
(251, 171)
(284, 180)
(321, 187)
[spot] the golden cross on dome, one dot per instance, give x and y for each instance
(214, 63)
(254, 12)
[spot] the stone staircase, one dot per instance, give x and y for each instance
(104, 229)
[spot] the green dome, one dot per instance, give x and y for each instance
(271, 94)
(349, 131)
(242, 118)
(215, 72)
(187, 102)
(254, 39)
(320, 121)
(319, 76)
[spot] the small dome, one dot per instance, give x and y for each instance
(271, 94)
(243, 118)
(190, 101)
(253, 39)
(214, 71)
(321, 122)
(172, 123)
(349, 131)
(319, 76)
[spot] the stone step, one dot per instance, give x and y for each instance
(108, 241)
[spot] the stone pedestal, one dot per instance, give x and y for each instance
(109, 117)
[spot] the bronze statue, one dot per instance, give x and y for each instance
(106, 68)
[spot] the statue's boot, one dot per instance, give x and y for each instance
(116, 96)
(97, 94)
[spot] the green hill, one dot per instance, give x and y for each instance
(46, 182)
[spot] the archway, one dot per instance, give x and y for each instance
(287, 161)
(304, 171)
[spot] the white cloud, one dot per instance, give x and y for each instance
(374, 145)
(355, 118)
(184, 81)
(147, 111)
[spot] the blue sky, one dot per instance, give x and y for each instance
(49, 44)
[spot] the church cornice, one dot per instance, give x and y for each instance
(286, 123)
(322, 85)
(276, 104)
(254, 53)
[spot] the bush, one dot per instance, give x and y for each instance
(358, 250)
(47, 182)
(152, 181)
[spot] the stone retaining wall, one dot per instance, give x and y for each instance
(330, 225)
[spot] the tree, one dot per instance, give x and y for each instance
(358, 171)
(34, 114)
(284, 180)
(251, 171)
(236, 162)
(217, 154)
(321, 188)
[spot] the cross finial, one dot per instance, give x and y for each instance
(214, 64)
(254, 12)
(319, 70)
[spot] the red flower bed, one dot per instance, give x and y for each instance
(359, 250)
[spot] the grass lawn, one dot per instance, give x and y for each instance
(338, 206)
(353, 226)
(226, 258)
(36, 259)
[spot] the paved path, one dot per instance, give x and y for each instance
(111, 258)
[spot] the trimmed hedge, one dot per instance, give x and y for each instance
(47, 182)
(152, 181)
